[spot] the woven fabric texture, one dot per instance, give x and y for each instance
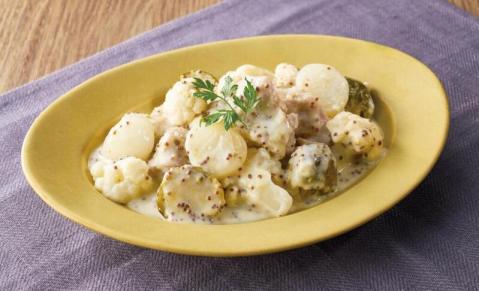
(428, 241)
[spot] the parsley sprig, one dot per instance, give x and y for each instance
(247, 102)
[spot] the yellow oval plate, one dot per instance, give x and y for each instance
(412, 109)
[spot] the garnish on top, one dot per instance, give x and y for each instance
(247, 102)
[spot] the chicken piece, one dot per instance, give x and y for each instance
(310, 116)
(269, 127)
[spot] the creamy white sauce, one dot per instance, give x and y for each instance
(347, 177)
(96, 156)
(245, 213)
(145, 205)
(349, 174)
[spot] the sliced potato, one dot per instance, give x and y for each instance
(217, 151)
(132, 136)
(187, 193)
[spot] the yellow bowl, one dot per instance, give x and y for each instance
(413, 110)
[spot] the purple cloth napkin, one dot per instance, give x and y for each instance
(429, 241)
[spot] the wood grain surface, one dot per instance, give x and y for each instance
(471, 6)
(38, 37)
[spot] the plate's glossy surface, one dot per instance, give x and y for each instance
(415, 121)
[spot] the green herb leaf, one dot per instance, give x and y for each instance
(200, 84)
(240, 103)
(212, 118)
(252, 99)
(206, 95)
(205, 91)
(229, 90)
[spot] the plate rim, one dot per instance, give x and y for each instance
(287, 244)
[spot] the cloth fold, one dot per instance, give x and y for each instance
(428, 241)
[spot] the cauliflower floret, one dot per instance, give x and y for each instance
(235, 77)
(122, 180)
(285, 75)
(260, 78)
(358, 134)
(327, 84)
(217, 151)
(132, 136)
(269, 127)
(189, 194)
(257, 158)
(256, 182)
(170, 150)
(160, 120)
(313, 167)
(180, 106)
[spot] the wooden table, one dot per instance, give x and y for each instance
(40, 36)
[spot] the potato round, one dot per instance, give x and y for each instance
(325, 83)
(132, 136)
(217, 151)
